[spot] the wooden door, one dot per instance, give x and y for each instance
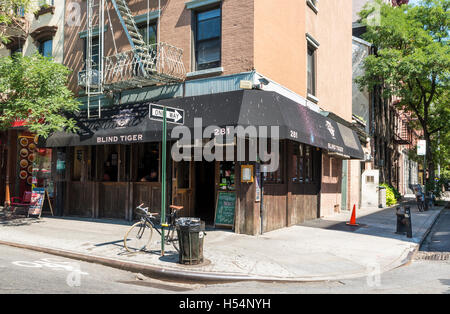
(183, 188)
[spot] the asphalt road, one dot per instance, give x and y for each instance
(439, 237)
(25, 271)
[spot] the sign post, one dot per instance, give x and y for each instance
(422, 151)
(165, 115)
(163, 178)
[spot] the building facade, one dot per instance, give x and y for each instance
(387, 129)
(230, 64)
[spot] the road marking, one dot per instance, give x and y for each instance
(52, 264)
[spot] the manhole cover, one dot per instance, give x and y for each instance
(433, 256)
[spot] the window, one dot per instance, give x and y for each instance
(311, 70)
(16, 50)
(45, 47)
(20, 11)
(46, 3)
(277, 176)
(149, 35)
(148, 163)
(182, 173)
(226, 175)
(302, 164)
(208, 39)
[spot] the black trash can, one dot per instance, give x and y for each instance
(190, 236)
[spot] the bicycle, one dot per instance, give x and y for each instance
(139, 236)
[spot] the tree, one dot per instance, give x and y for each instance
(34, 89)
(412, 64)
(9, 14)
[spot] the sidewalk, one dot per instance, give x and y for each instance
(323, 249)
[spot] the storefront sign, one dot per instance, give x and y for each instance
(225, 208)
(120, 139)
(335, 148)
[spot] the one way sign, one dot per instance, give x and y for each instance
(173, 115)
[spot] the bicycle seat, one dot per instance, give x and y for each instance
(174, 207)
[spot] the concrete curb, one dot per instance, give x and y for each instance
(199, 277)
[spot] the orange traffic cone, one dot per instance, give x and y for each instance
(353, 219)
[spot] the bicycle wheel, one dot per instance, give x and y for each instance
(138, 237)
(173, 239)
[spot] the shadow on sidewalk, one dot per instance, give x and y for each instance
(109, 221)
(9, 219)
(381, 223)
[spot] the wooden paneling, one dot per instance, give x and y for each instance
(302, 204)
(113, 200)
(80, 199)
(275, 202)
(148, 193)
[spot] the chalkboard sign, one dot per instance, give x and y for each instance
(37, 200)
(226, 203)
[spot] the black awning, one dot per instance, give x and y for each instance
(131, 123)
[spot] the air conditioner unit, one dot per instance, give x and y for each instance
(95, 78)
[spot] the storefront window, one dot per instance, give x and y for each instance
(302, 164)
(42, 170)
(182, 174)
(148, 162)
(226, 175)
(83, 163)
(110, 163)
(276, 177)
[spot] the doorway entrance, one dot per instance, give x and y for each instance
(205, 188)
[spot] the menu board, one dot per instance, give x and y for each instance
(225, 209)
(37, 200)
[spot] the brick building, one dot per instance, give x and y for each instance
(231, 62)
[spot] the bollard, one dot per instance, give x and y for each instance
(404, 224)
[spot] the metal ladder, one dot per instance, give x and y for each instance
(134, 37)
(95, 8)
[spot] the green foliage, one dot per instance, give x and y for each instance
(34, 89)
(412, 63)
(9, 10)
(392, 195)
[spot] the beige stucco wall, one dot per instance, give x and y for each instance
(331, 27)
(280, 45)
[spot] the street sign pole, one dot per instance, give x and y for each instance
(165, 115)
(163, 183)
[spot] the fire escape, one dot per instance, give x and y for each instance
(142, 65)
